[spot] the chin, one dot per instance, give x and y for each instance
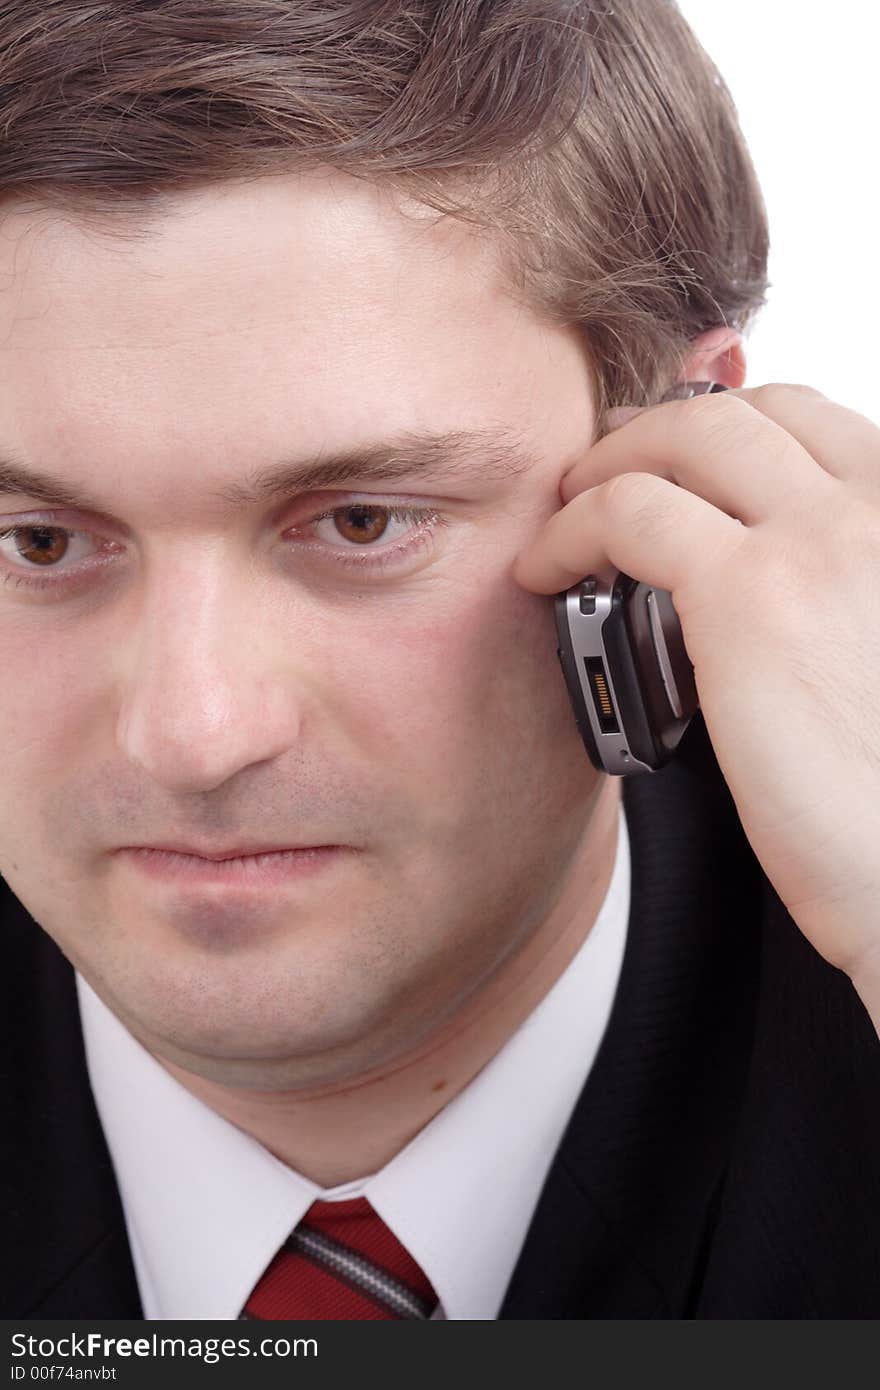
(269, 1028)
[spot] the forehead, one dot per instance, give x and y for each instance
(303, 251)
(312, 303)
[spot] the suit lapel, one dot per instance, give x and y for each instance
(64, 1249)
(621, 1226)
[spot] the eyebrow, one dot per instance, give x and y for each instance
(494, 453)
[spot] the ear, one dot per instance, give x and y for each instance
(717, 355)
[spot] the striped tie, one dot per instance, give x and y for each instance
(342, 1262)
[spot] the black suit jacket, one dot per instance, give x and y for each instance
(722, 1161)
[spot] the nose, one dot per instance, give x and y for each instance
(210, 684)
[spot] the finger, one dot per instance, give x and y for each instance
(636, 522)
(716, 446)
(844, 443)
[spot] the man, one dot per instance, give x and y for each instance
(316, 914)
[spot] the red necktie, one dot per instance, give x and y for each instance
(342, 1262)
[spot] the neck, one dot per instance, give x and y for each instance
(351, 1130)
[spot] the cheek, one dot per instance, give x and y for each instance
(468, 733)
(466, 697)
(49, 699)
(45, 690)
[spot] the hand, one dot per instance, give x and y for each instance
(759, 511)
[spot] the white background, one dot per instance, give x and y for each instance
(805, 79)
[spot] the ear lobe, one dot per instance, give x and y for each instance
(685, 390)
(717, 355)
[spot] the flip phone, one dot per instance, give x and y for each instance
(628, 674)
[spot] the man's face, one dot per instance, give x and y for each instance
(201, 671)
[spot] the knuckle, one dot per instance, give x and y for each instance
(724, 420)
(625, 492)
(768, 396)
(724, 406)
(638, 501)
(775, 389)
(775, 397)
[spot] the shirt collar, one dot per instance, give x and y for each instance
(207, 1207)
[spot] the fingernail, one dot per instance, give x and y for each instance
(621, 414)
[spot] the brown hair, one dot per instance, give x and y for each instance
(597, 140)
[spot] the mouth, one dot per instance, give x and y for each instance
(250, 868)
(219, 854)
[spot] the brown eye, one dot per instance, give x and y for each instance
(369, 535)
(41, 545)
(361, 524)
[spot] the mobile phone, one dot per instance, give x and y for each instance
(622, 652)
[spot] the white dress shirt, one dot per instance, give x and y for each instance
(206, 1206)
